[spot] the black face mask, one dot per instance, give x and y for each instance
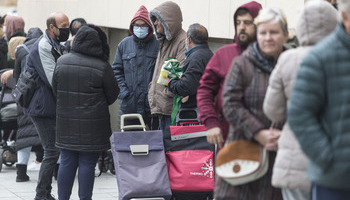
(64, 35)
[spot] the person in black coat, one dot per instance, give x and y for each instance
(27, 137)
(85, 86)
(198, 55)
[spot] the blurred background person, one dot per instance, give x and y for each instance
(289, 172)
(209, 94)
(3, 44)
(85, 86)
(14, 28)
(27, 137)
(318, 111)
(243, 95)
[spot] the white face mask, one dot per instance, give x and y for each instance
(140, 32)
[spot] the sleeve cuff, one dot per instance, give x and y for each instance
(212, 122)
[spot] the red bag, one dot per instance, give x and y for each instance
(186, 132)
(191, 170)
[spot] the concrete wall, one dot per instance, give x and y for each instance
(216, 15)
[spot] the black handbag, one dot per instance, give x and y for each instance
(24, 90)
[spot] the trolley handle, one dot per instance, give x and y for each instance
(184, 110)
(132, 127)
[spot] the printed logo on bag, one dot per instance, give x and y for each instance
(207, 170)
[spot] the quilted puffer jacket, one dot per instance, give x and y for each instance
(85, 86)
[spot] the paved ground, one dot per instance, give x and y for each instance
(105, 186)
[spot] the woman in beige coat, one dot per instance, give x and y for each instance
(316, 21)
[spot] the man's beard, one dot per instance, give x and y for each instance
(249, 39)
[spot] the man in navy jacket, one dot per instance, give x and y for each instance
(41, 63)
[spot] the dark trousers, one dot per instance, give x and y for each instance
(70, 162)
(164, 122)
(39, 152)
(47, 133)
(323, 193)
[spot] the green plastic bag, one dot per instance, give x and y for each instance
(170, 70)
(174, 73)
(176, 107)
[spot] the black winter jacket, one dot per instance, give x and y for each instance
(27, 134)
(85, 86)
(193, 69)
(3, 53)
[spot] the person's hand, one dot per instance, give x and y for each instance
(6, 75)
(214, 136)
(185, 99)
(268, 138)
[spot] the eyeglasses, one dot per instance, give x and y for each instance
(140, 25)
(245, 22)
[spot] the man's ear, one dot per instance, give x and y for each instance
(51, 27)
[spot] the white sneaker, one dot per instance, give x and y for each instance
(33, 166)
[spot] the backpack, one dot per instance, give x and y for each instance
(25, 87)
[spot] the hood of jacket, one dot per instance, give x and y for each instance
(33, 33)
(142, 13)
(13, 24)
(316, 20)
(253, 7)
(87, 41)
(170, 15)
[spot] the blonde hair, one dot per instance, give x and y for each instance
(274, 15)
(13, 43)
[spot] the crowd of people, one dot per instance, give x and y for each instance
(291, 101)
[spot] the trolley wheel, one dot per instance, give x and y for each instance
(4, 155)
(9, 164)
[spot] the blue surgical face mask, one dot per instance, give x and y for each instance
(140, 32)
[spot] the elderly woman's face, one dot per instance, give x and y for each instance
(271, 38)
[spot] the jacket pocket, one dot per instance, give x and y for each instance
(129, 62)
